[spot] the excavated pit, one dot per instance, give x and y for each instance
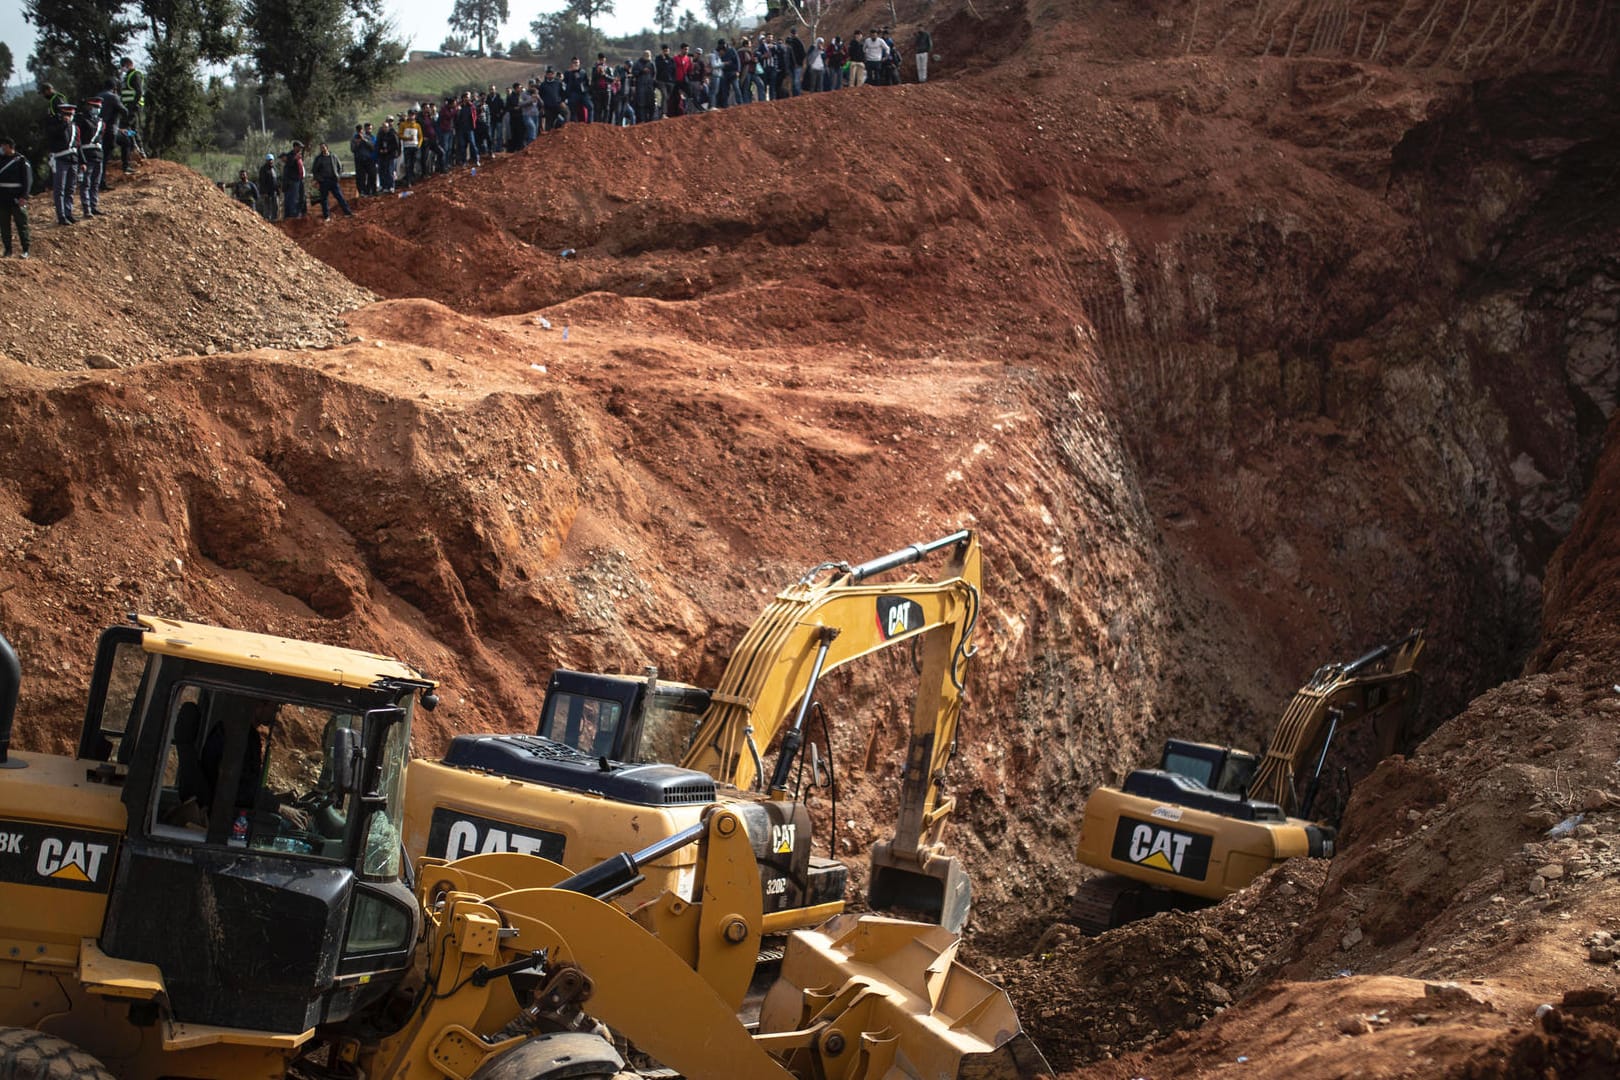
(1248, 334)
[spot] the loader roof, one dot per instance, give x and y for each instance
(277, 655)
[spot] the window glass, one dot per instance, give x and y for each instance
(382, 836)
(666, 732)
(253, 772)
(1191, 767)
(588, 724)
(375, 925)
(118, 708)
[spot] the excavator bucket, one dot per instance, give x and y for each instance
(937, 888)
(887, 1000)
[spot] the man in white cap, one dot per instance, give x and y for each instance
(269, 188)
(64, 156)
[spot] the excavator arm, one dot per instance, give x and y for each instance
(1376, 692)
(820, 624)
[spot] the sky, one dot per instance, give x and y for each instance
(424, 22)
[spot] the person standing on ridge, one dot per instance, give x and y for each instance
(387, 147)
(327, 173)
(410, 140)
(132, 95)
(112, 125)
(244, 190)
(90, 147)
(269, 188)
(292, 181)
(922, 43)
(362, 151)
(62, 150)
(16, 181)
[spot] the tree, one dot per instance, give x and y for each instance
(725, 14)
(687, 25)
(80, 42)
(521, 50)
(810, 13)
(453, 43)
(560, 35)
(479, 19)
(588, 10)
(664, 16)
(6, 68)
(185, 34)
(326, 54)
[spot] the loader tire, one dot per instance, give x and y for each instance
(26, 1054)
(562, 1055)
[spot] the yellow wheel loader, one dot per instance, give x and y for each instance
(597, 776)
(1211, 819)
(213, 887)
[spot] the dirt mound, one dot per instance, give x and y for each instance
(1097, 998)
(175, 267)
(1579, 1040)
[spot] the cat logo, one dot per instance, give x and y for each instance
(453, 835)
(896, 615)
(56, 857)
(782, 838)
(1158, 847)
(71, 860)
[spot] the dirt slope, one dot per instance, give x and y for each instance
(174, 267)
(1245, 344)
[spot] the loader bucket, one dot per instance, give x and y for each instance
(893, 993)
(938, 888)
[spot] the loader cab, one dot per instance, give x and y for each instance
(620, 717)
(1219, 768)
(260, 871)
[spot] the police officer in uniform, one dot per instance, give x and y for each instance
(16, 181)
(132, 95)
(64, 154)
(90, 146)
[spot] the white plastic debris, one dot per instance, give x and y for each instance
(1565, 827)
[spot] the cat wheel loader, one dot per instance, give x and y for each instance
(598, 776)
(213, 887)
(1211, 819)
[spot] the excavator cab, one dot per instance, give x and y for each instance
(1220, 768)
(620, 717)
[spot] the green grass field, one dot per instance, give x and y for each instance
(435, 80)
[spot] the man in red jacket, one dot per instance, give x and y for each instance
(683, 72)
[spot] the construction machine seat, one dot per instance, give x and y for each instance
(1181, 790)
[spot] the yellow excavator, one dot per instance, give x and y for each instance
(599, 774)
(1210, 819)
(213, 887)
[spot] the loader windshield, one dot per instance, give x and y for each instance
(248, 770)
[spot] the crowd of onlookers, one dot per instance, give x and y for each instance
(433, 138)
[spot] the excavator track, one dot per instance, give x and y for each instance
(1104, 902)
(1112, 900)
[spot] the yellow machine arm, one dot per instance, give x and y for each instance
(1376, 689)
(815, 626)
